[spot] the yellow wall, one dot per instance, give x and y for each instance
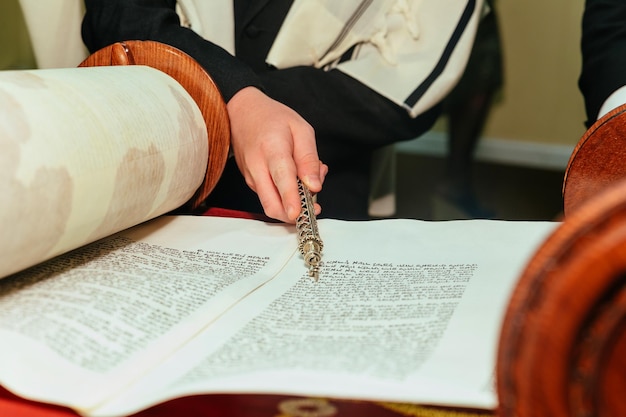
(541, 101)
(15, 48)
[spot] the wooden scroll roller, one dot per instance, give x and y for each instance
(562, 349)
(138, 130)
(195, 80)
(598, 160)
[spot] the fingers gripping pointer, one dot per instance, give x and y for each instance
(273, 146)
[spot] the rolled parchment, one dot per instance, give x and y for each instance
(87, 152)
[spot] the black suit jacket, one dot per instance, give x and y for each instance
(603, 48)
(110, 21)
(350, 119)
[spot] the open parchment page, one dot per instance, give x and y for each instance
(404, 310)
(82, 326)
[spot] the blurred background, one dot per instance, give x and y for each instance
(15, 49)
(536, 119)
(523, 137)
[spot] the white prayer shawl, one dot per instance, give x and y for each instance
(411, 51)
(214, 20)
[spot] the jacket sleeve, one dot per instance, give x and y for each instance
(603, 47)
(110, 21)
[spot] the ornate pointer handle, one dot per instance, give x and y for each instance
(309, 242)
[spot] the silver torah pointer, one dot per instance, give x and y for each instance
(309, 242)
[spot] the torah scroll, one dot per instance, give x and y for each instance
(87, 152)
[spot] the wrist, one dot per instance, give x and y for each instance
(241, 98)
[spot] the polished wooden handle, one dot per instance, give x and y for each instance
(195, 80)
(562, 350)
(598, 160)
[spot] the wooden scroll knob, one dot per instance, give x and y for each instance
(195, 80)
(598, 160)
(562, 349)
